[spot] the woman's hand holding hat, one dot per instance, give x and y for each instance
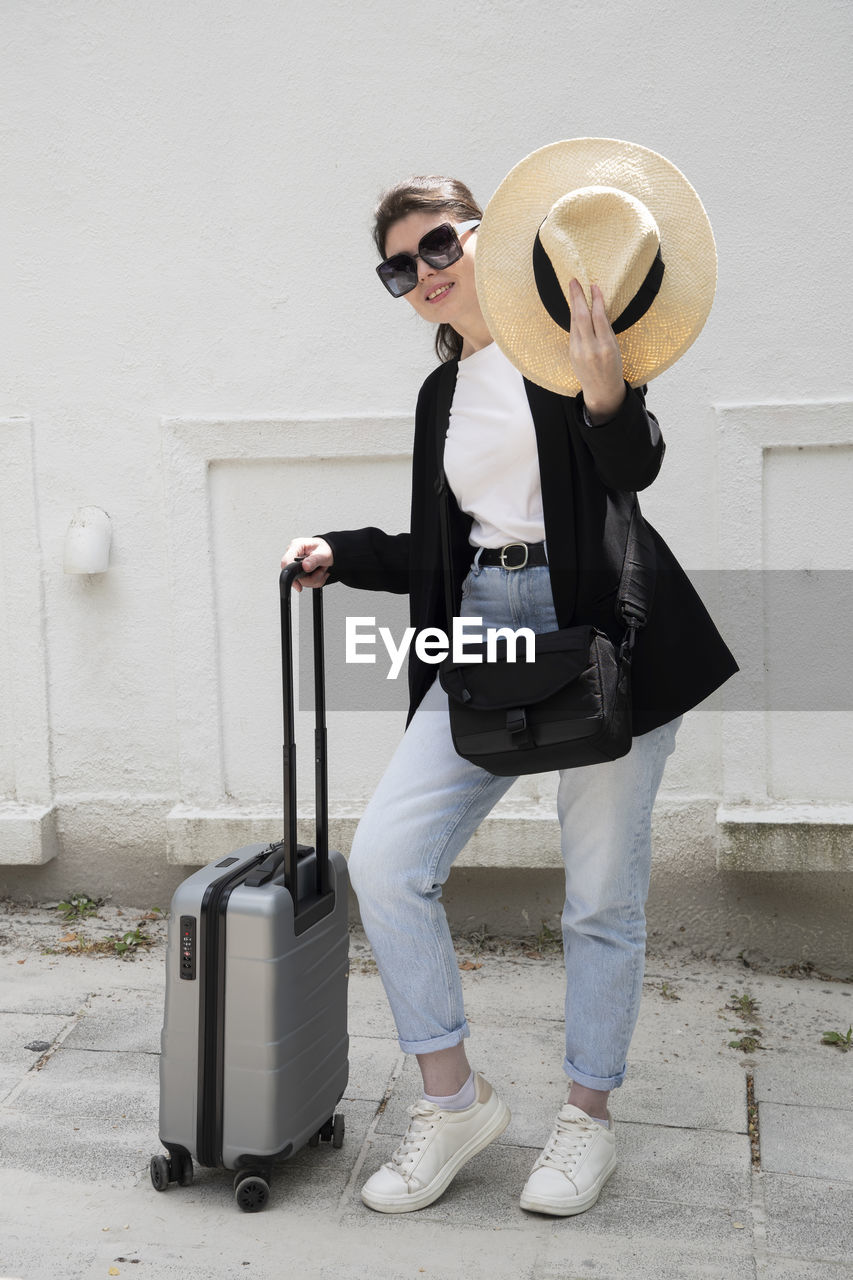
(595, 355)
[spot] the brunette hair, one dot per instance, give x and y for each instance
(426, 193)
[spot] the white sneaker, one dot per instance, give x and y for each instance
(578, 1159)
(436, 1146)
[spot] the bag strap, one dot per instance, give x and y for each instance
(637, 577)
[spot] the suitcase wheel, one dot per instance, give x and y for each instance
(161, 1172)
(183, 1166)
(251, 1191)
(332, 1131)
(176, 1167)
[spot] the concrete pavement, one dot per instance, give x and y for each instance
(78, 1125)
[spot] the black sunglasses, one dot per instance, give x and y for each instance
(439, 248)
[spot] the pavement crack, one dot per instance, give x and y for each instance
(42, 1061)
(759, 1227)
(91, 1048)
(752, 1121)
(40, 1013)
(392, 1080)
(45, 1058)
(367, 1144)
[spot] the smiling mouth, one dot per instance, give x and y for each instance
(439, 292)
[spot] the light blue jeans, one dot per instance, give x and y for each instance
(428, 805)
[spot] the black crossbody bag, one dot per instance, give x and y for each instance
(571, 706)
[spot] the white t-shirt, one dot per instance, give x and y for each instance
(490, 453)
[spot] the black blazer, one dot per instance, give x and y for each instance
(589, 478)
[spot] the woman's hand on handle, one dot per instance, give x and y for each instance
(595, 355)
(317, 561)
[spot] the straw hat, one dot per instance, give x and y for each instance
(605, 212)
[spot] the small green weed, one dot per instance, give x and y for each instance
(77, 944)
(748, 1042)
(78, 906)
(669, 992)
(130, 941)
(843, 1042)
(480, 941)
(744, 1005)
(547, 939)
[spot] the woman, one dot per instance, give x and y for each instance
(535, 477)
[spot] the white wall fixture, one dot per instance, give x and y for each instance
(87, 542)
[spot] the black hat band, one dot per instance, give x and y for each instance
(556, 304)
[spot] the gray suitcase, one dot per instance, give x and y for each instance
(254, 1044)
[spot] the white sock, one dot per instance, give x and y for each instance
(605, 1124)
(457, 1101)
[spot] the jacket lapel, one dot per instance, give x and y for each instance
(557, 476)
(460, 524)
(444, 398)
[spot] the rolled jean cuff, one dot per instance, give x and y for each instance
(605, 1084)
(447, 1041)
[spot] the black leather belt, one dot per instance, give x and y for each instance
(514, 555)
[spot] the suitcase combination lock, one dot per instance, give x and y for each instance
(188, 948)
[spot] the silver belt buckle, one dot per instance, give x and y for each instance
(506, 548)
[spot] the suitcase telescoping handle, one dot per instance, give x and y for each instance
(322, 888)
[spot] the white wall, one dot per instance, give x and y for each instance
(188, 189)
